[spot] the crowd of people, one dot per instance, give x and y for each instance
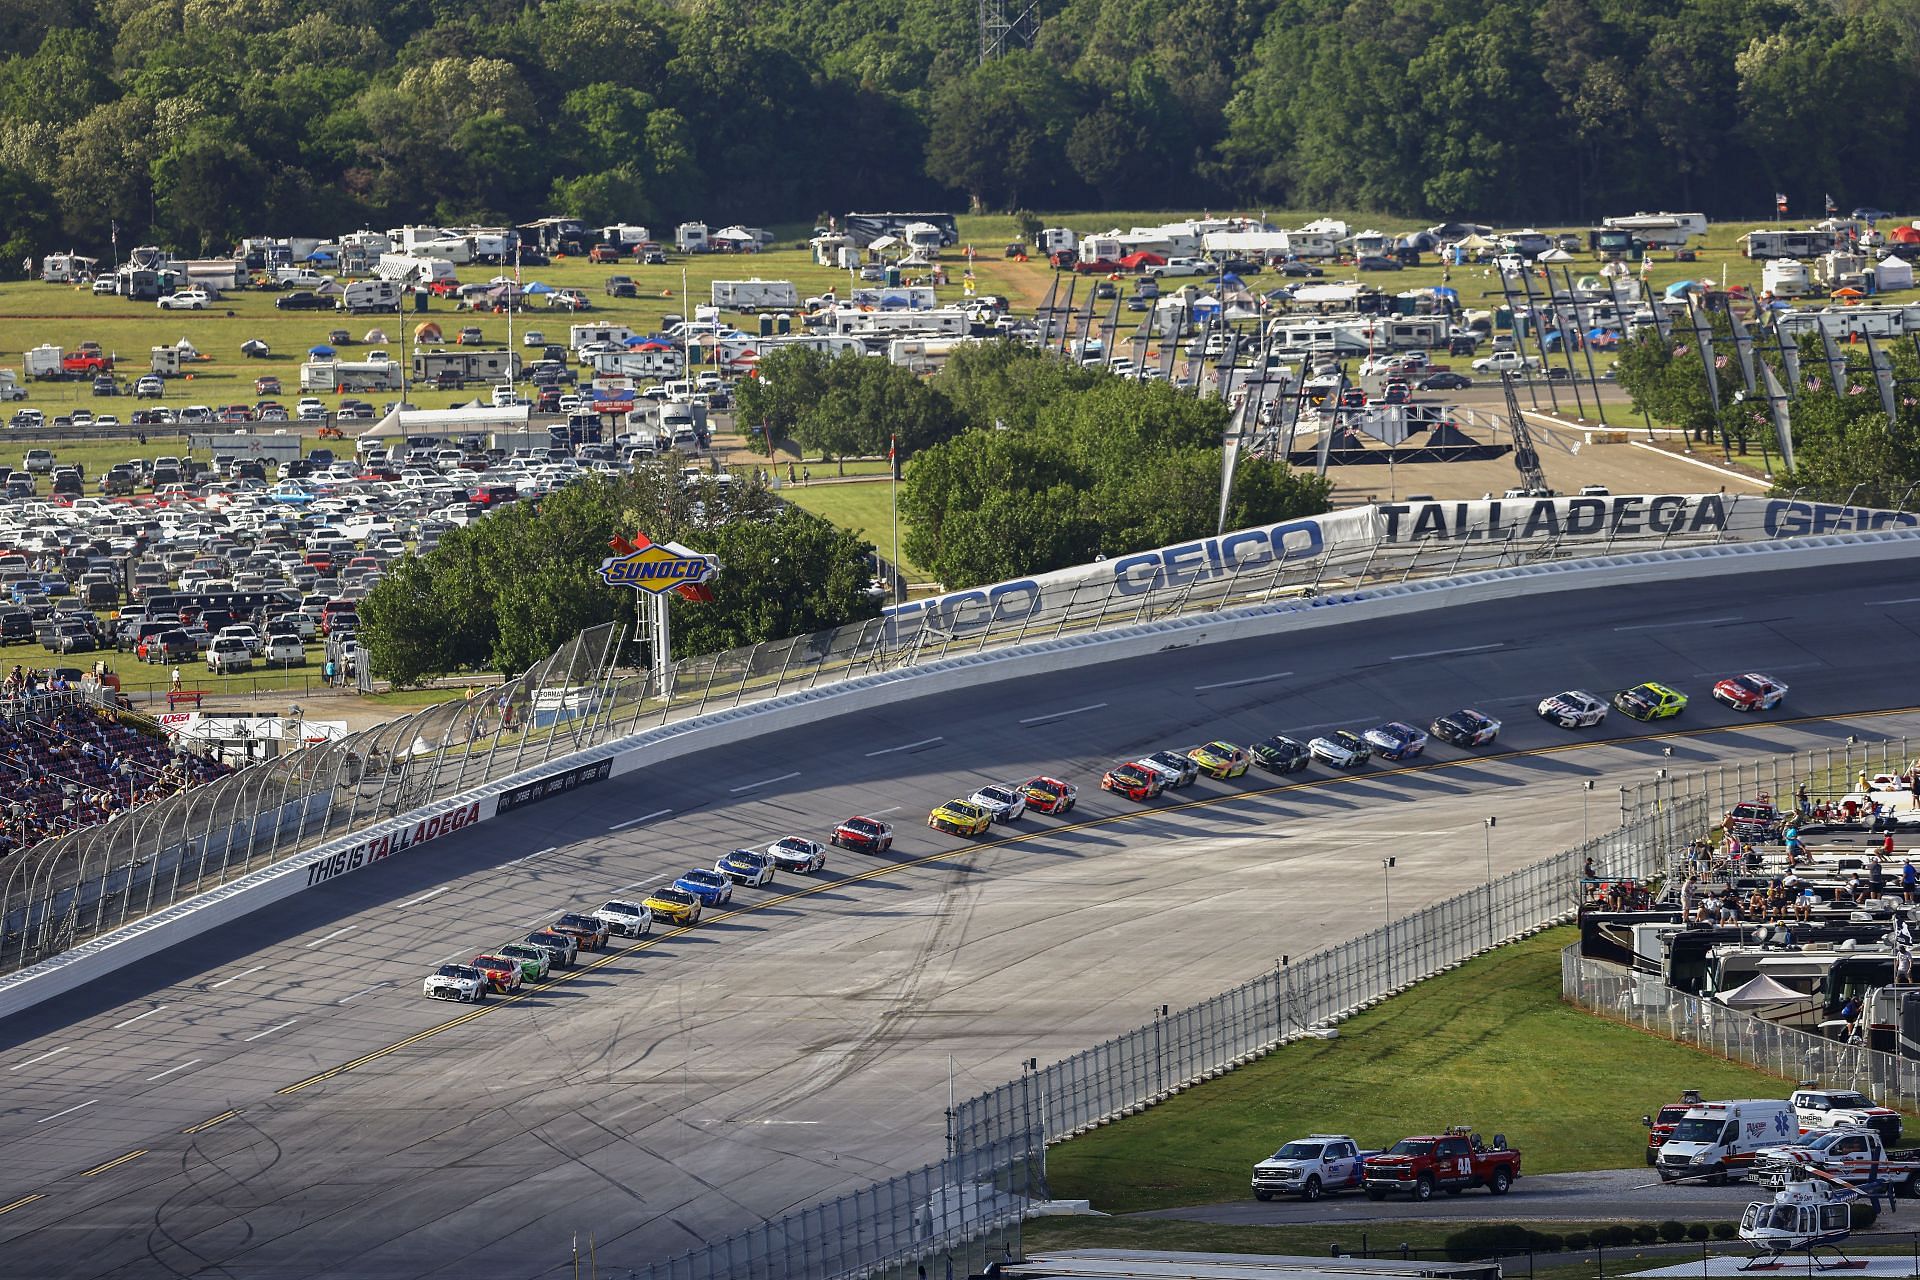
(66, 764)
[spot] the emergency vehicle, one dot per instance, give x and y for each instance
(1718, 1141)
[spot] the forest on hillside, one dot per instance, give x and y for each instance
(197, 121)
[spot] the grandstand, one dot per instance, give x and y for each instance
(67, 764)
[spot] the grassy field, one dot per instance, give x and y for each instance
(866, 508)
(1489, 1044)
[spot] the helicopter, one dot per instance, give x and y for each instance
(1811, 1211)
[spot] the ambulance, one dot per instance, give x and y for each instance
(1717, 1141)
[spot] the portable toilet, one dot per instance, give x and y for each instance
(893, 277)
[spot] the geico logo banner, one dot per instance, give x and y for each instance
(1795, 519)
(371, 851)
(1625, 515)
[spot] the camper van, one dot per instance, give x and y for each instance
(581, 335)
(371, 295)
(350, 375)
(755, 295)
(1786, 244)
(66, 268)
(691, 237)
(661, 362)
(1661, 230)
(889, 324)
(923, 239)
(1052, 240)
(1785, 278)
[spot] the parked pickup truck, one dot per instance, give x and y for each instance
(1818, 1109)
(1450, 1162)
(1851, 1153)
(1310, 1167)
(1503, 362)
(86, 361)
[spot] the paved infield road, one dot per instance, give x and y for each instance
(277, 1100)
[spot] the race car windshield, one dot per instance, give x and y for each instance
(796, 846)
(622, 908)
(862, 825)
(1410, 1147)
(455, 971)
(1299, 1151)
(674, 896)
(702, 877)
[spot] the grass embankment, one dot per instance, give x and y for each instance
(1489, 1044)
(866, 508)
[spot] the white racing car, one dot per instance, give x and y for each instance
(1179, 770)
(1574, 709)
(628, 919)
(1341, 749)
(1006, 802)
(460, 982)
(796, 853)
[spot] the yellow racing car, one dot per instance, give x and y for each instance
(1650, 701)
(961, 817)
(675, 906)
(1221, 759)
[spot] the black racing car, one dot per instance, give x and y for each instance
(1281, 754)
(1466, 728)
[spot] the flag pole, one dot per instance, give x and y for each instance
(893, 476)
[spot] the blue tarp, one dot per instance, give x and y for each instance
(322, 350)
(537, 287)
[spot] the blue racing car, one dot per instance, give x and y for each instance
(1396, 740)
(712, 888)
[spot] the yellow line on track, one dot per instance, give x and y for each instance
(23, 1200)
(222, 1118)
(115, 1163)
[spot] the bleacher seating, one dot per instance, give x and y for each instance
(64, 766)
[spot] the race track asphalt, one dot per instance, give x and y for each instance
(192, 1118)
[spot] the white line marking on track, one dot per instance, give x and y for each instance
(924, 742)
(269, 1031)
(170, 1070)
(645, 817)
(1235, 684)
(431, 893)
(786, 1122)
(69, 1111)
(1061, 715)
(1447, 653)
(39, 1057)
(1689, 622)
(330, 937)
(236, 977)
(764, 782)
(529, 857)
(874, 813)
(1901, 600)
(130, 1021)
(362, 991)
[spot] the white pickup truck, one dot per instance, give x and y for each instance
(1818, 1109)
(1311, 1167)
(1503, 362)
(1850, 1153)
(1181, 267)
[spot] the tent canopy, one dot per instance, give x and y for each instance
(1556, 255)
(1761, 990)
(1474, 241)
(320, 350)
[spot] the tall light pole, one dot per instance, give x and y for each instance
(1386, 868)
(1586, 794)
(1486, 836)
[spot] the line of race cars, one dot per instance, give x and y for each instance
(505, 968)
(1651, 700)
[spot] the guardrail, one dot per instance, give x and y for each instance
(77, 886)
(1150, 1063)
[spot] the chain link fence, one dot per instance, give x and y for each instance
(66, 890)
(1150, 1063)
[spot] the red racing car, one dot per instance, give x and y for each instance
(1750, 692)
(1134, 781)
(863, 835)
(1050, 795)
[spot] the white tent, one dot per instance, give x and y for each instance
(882, 243)
(1760, 991)
(1892, 273)
(1556, 255)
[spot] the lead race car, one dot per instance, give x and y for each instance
(1750, 692)
(1574, 709)
(796, 853)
